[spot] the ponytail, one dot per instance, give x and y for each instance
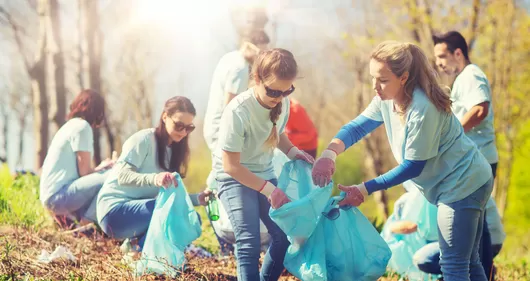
(427, 78)
(273, 139)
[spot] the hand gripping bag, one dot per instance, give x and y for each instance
(411, 206)
(174, 225)
(344, 247)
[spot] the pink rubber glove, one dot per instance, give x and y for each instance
(276, 196)
(295, 153)
(355, 194)
(324, 168)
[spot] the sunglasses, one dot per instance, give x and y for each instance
(276, 93)
(179, 126)
(332, 210)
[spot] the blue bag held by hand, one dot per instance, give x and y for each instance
(327, 242)
(174, 225)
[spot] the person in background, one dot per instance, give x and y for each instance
(252, 126)
(69, 184)
(300, 129)
(434, 154)
(230, 78)
(148, 160)
(472, 105)
(427, 258)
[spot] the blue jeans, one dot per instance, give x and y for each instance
(79, 197)
(245, 207)
(129, 219)
(460, 227)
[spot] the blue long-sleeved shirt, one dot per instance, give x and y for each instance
(354, 131)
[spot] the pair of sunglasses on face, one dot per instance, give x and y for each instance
(332, 210)
(277, 93)
(179, 126)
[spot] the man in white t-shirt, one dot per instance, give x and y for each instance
(230, 78)
(472, 105)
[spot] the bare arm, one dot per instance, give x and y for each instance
(233, 167)
(84, 163)
(474, 116)
(284, 144)
(229, 97)
(337, 145)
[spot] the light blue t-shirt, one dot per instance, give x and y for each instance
(230, 76)
(471, 87)
(245, 126)
(139, 151)
(454, 168)
(60, 166)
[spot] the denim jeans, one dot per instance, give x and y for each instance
(129, 219)
(460, 227)
(79, 197)
(245, 207)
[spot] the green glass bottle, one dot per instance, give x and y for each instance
(213, 208)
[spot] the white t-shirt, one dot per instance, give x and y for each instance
(245, 126)
(60, 165)
(471, 87)
(230, 76)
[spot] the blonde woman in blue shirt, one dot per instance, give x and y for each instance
(432, 149)
(252, 125)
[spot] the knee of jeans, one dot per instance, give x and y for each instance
(55, 207)
(248, 247)
(425, 263)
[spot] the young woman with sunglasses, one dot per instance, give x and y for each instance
(252, 125)
(434, 153)
(147, 162)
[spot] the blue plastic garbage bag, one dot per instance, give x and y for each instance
(174, 225)
(345, 248)
(411, 206)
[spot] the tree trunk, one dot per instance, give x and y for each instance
(474, 24)
(59, 114)
(38, 84)
(22, 130)
(5, 129)
(510, 129)
(94, 43)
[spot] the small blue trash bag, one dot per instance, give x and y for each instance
(411, 206)
(174, 225)
(345, 248)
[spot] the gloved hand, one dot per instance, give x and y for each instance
(276, 196)
(324, 168)
(203, 196)
(295, 153)
(355, 194)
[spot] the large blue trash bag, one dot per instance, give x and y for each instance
(411, 206)
(343, 249)
(174, 225)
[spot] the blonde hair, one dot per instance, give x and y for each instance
(407, 57)
(280, 64)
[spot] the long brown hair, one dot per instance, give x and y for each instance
(407, 57)
(180, 151)
(88, 105)
(280, 64)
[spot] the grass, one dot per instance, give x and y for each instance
(26, 229)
